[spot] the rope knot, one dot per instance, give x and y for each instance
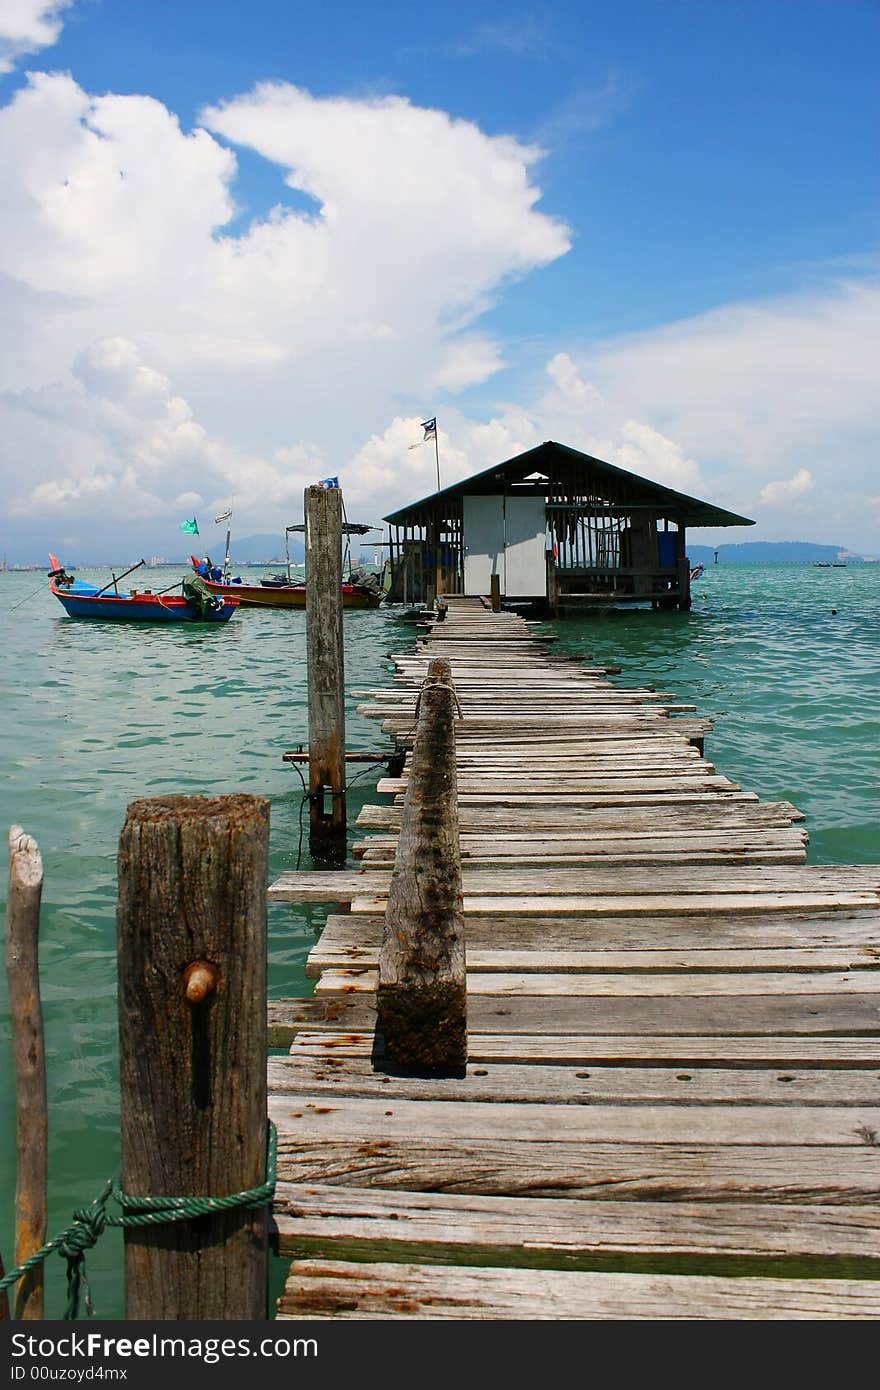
(86, 1228)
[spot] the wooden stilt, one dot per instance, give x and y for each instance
(191, 935)
(29, 1060)
(326, 674)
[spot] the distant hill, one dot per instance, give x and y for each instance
(255, 550)
(768, 553)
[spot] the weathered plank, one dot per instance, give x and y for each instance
(718, 813)
(370, 1119)
(811, 1173)
(552, 1083)
(857, 933)
(546, 858)
(782, 1053)
(336, 955)
(797, 1015)
(672, 1237)
(645, 984)
(606, 904)
(318, 1289)
(849, 885)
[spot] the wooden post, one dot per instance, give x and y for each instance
(422, 1001)
(325, 674)
(438, 552)
(29, 1062)
(552, 582)
(684, 573)
(495, 591)
(191, 943)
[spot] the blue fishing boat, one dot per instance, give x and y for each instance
(194, 604)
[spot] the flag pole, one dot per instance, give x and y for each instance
(437, 453)
(227, 567)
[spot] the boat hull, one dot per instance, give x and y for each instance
(81, 600)
(289, 595)
(146, 609)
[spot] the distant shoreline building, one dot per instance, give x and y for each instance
(557, 529)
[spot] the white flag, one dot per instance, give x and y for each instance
(225, 517)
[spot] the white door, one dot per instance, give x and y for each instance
(504, 536)
(483, 527)
(525, 564)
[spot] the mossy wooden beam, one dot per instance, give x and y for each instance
(422, 1005)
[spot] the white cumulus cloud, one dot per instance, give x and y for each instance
(158, 337)
(166, 348)
(28, 25)
(745, 395)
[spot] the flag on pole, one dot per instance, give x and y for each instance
(430, 428)
(191, 526)
(327, 482)
(224, 516)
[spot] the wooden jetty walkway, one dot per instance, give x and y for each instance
(670, 1105)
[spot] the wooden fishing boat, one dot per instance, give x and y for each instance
(279, 595)
(360, 590)
(195, 604)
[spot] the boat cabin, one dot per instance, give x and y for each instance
(552, 528)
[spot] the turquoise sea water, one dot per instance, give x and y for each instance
(784, 659)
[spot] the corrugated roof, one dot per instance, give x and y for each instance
(586, 474)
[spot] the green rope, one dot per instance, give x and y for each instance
(90, 1222)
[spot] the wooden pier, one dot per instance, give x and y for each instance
(670, 1103)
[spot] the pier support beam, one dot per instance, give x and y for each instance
(684, 573)
(29, 1062)
(422, 1000)
(191, 941)
(325, 674)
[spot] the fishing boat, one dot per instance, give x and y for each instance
(275, 594)
(360, 590)
(194, 604)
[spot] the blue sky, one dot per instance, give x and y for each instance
(248, 246)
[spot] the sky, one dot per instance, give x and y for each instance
(246, 247)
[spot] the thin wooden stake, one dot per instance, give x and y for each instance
(325, 674)
(191, 941)
(29, 1059)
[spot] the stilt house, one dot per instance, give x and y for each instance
(553, 528)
